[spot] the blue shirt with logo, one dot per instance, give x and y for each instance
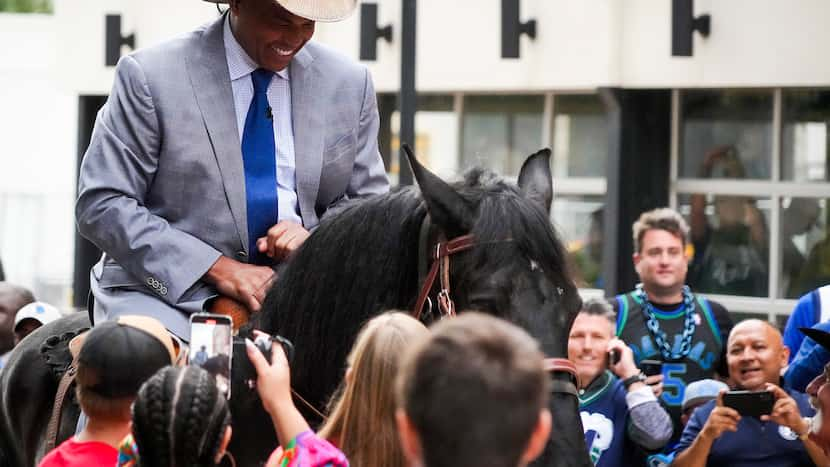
(604, 415)
(756, 443)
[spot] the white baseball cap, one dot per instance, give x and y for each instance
(39, 311)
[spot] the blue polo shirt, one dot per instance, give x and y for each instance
(756, 443)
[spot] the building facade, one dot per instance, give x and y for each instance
(735, 136)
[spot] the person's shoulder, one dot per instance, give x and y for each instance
(717, 308)
(327, 59)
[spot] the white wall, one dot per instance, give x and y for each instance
(580, 44)
(753, 43)
(38, 122)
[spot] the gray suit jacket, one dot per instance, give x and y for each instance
(162, 186)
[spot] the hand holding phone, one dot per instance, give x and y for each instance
(651, 367)
(613, 357)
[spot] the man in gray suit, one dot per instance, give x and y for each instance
(215, 155)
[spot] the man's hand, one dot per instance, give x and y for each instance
(785, 411)
(625, 367)
(282, 240)
(245, 283)
(721, 419)
(655, 382)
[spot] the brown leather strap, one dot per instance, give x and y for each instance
(60, 397)
(562, 365)
(440, 260)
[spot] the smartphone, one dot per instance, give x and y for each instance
(748, 403)
(613, 357)
(211, 347)
(651, 367)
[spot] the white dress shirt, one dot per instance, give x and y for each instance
(240, 66)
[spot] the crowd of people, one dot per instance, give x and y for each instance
(145, 408)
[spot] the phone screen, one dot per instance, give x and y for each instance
(211, 347)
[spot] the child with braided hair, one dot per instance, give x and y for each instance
(179, 418)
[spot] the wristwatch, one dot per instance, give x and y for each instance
(638, 378)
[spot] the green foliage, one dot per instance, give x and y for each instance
(26, 6)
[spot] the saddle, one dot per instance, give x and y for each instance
(227, 306)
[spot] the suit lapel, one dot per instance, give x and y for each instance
(208, 70)
(306, 114)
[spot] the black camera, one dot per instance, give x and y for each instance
(263, 343)
(243, 368)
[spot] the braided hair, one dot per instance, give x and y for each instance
(179, 418)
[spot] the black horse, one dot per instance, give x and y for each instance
(358, 263)
(366, 260)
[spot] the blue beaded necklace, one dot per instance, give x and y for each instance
(659, 335)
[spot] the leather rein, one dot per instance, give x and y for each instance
(446, 308)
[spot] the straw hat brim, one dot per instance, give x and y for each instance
(326, 11)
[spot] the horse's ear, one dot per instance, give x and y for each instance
(446, 207)
(535, 179)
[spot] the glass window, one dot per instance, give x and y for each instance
(729, 236)
(436, 134)
(805, 246)
(805, 154)
(580, 136)
(578, 220)
(499, 132)
(726, 134)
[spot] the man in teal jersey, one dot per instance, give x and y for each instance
(619, 412)
(661, 319)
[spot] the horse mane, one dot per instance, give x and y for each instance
(364, 260)
(358, 262)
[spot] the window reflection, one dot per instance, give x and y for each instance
(729, 236)
(580, 136)
(499, 132)
(579, 222)
(805, 153)
(436, 134)
(726, 134)
(805, 246)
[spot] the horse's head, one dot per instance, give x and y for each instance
(517, 268)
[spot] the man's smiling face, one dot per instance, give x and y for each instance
(270, 34)
(755, 354)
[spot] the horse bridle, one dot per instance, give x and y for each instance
(441, 261)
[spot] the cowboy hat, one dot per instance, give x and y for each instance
(315, 10)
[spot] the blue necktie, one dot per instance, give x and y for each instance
(259, 159)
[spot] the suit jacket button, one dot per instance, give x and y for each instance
(242, 255)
